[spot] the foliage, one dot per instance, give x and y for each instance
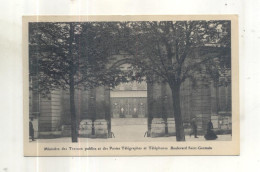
(77, 55)
(176, 51)
(59, 50)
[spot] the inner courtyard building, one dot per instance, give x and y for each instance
(101, 109)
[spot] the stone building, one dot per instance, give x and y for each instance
(96, 107)
(129, 99)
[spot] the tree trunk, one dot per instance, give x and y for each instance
(74, 124)
(180, 135)
(108, 111)
(164, 113)
(149, 108)
(109, 127)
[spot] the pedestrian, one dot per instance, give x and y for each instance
(122, 115)
(194, 127)
(210, 133)
(135, 113)
(31, 130)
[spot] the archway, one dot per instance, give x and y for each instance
(136, 112)
(128, 105)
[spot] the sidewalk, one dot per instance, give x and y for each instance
(132, 133)
(144, 139)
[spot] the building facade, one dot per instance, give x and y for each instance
(207, 101)
(129, 99)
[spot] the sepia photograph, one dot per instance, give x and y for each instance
(100, 82)
(130, 85)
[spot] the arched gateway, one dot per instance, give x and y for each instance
(98, 107)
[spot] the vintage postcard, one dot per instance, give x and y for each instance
(131, 85)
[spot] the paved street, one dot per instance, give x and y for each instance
(128, 130)
(144, 139)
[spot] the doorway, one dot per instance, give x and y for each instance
(128, 105)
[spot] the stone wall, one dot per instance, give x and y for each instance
(156, 109)
(50, 114)
(195, 102)
(202, 103)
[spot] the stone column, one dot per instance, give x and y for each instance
(201, 104)
(100, 102)
(92, 108)
(102, 112)
(50, 114)
(213, 96)
(156, 109)
(157, 99)
(229, 98)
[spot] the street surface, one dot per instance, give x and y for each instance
(132, 130)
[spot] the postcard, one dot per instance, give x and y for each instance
(131, 85)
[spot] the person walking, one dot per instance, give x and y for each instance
(194, 128)
(31, 129)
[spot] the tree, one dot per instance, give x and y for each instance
(168, 49)
(75, 55)
(71, 56)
